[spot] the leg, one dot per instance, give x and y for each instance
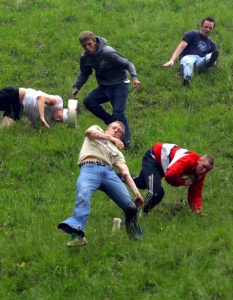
(204, 63)
(118, 94)
(187, 64)
(87, 184)
(116, 190)
(150, 179)
(93, 103)
(9, 103)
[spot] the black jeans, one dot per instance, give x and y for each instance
(150, 178)
(9, 103)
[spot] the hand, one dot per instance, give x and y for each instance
(117, 142)
(136, 84)
(198, 212)
(74, 93)
(188, 181)
(138, 201)
(44, 122)
(169, 63)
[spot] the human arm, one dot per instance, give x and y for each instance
(176, 53)
(93, 133)
(81, 79)
(125, 64)
(41, 101)
(122, 167)
(195, 195)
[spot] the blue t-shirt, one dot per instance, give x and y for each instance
(197, 44)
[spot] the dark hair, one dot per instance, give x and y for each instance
(209, 20)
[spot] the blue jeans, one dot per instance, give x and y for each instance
(189, 62)
(117, 95)
(92, 178)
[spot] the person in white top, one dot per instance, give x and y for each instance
(37, 106)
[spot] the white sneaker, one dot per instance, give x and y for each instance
(116, 224)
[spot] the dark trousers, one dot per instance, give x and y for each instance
(117, 95)
(9, 103)
(150, 178)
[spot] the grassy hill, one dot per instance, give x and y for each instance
(183, 256)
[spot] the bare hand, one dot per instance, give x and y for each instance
(74, 93)
(136, 84)
(117, 142)
(169, 63)
(188, 181)
(138, 201)
(198, 212)
(44, 122)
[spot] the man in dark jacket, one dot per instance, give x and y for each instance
(111, 71)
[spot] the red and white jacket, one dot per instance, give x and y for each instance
(177, 163)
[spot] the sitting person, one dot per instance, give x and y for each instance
(37, 106)
(196, 50)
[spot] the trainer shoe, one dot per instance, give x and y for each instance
(134, 230)
(186, 81)
(212, 59)
(116, 224)
(77, 241)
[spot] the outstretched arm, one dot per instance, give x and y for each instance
(41, 101)
(176, 53)
(122, 167)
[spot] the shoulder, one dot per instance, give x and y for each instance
(95, 127)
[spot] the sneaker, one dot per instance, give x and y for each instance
(116, 224)
(212, 59)
(186, 81)
(134, 230)
(77, 241)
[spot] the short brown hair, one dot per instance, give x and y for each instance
(209, 158)
(85, 36)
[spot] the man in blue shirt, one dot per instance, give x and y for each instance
(196, 50)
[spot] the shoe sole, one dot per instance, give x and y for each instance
(212, 59)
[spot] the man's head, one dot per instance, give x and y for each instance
(87, 40)
(58, 115)
(207, 26)
(116, 129)
(204, 165)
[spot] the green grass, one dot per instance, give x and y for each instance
(183, 256)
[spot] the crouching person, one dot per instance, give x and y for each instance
(98, 155)
(37, 106)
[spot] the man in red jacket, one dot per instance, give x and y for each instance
(179, 167)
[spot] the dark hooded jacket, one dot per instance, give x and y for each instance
(110, 67)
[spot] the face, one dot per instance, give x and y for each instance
(115, 130)
(202, 167)
(58, 115)
(89, 46)
(207, 28)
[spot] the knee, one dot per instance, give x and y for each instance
(86, 102)
(118, 116)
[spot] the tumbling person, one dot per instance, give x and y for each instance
(196, 50)
(179, 167)
(37, 106)
(98, 155)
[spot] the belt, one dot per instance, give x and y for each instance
(98, 163)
